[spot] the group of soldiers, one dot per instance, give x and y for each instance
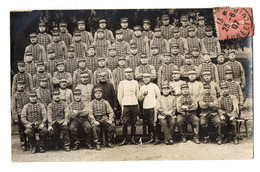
(69, 86)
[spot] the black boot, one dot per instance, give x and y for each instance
(133, 130)
(124, 142)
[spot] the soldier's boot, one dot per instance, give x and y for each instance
(151, 139)
(156, 139)
(196, 139)
(67, 147)
(133, 131)
(124, 142)
(206, 139)
(32, 142)
(24, 146)
(98, 146)
(75, 145)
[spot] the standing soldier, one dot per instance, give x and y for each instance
(200, 31)
(82, 68)
(107, 33)
(22, 75)
(91, 60)
(186, 107)
(102, 68)
(180, 41)
(147, 29)
(118, 73)
(34, 120)
(167, 28)
(195, 87)
(60, 74)
(37, 50)
(66, 94)
(141, 42)
(112, 59)
(187, 67)
(85, 87)
(165, 71)
(221, 67)
(156, 59)
(128, 33)
(159, 41)
(128, 99)
(30, 66)
(19, 100)
(176, 57)
(41, 73)
(184, 26)
(209, 113)
(86, 36)
(175, 85)
(65, 36)
(58, 122)
(228, 112)
(214, 87)
(237, 69)
(43, 93)
(80, 47)
(122, 47)
(71, 64)
(210, 43)
(193, 41)
(133, 59)
(43, 38)
(58, 46)
(51, 62)
(101, 44)
(196, 57)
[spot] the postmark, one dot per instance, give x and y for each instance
(232, 23)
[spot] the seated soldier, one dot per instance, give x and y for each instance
(166, 107)
(101, 116)
(186, 107)
(34, 120)
(209, 106)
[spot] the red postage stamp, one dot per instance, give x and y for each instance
(233, 23)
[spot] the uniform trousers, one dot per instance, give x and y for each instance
(21, 129)
(107, 127)
(30, 133)
(191, 118)
(168, 125)
(148, 117)
(215, 120)
(129, 115)
(60, 132)
(227, 123)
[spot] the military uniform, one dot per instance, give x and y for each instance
(186, 68)
(91, 61)
(200, 30)
(122, 47)
(167, 30)
(80, 47)
(177, 59)
(195, 88)
(44, 38)
(181, 42)
(76, 74)
(107, 33)
(66, 94)
(101, 45)
(112, 62)
(57, 76)
(209, 66)
(50, 64)
(184, 30)
(148, 33)
(141, 42)
(196, 60)
(193, 41)
(86, 37)
(128, 33)
(133, 60)
(30, 66)
(66, 37)
(101, 70)
(71, 64)
(160, 42)
(86, 89)
(44, 74)
(43, 93)
(156, 60)
(210, 44)
(59, 47)
(118, 74)
(175, 85)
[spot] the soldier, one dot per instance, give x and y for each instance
(193, 41)
(166, 107)
(34, 120)
(107, 33)
(80, 47)
(228, 112)
(22, 75)
(200, 31)
(221, 67)
(237, 69)
(184, 26)
(144, 68)
(19, 100)
(30, 66)
(133, 59)
(128, 91)
(58, 46)
(101, 44)
(186, 108)
(156, 59)
(180, 41)
(91, 60)
(141, 42)
(159, 41)
(85, 87)
(71, 64)
(43, 38)
(43, 93)
(79, 114)
(122, 47)
(215, 90)
(128, 33)
(41, 73)
(175, 85)
(112, 59)
(195, 87)
(165, 71)
(210, 43)
(65, 36)
(147, 29)
(196, 57)
(167, 28)
(102, 68)
(187, 67)
(66, 94)
(51, 62)
(207, 65)
(37, 50)
(61, 73)
(86, 37)
(149, 93)
(82, 68)
(209, 113)
(176, 57)
(118, 73)
(58, 122)
(102, 117)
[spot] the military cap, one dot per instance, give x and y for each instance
(220, 54)
(102, 74)
(232, 51)
(111, 47)
(32, 94)
(77, 33)
(208, 29)
(50, 51)
(20, 81)
(98, 89)
(40, 63)
(102, 21)
(185, 85)
(206, 86)
(146, 75)
(167, 54)
(146, 21)
(137, 27)
(43, 79)
(228, 71)
(60, 62)
(121, 58)
(71, 48)
(154, 46)
(29, 53)
(165, 86)
(20, 63)
(206, 72)
(188, 56)
(81, 60)
(201, 18)
(91, 46)
(192, 72)
(129, 69)
(41, 24)
(195, 49)
(124, 20)
(62, 24)
(81, 22)
(206, 53)
(157, 29)
(100, 30)
(184, 18)
(165, 17)
(175, 45)
(77, 91)
(143, 55)
(176, 70)
(191, 29)
(62, 80)
(101, 58)
(133, 45)
(84, 73)
(55, 34)
(176, 30)
(56, 92)
(33, 34)
(223, 85)
(119, 32)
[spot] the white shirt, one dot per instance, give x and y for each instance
(128, 92)
(151, 97)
